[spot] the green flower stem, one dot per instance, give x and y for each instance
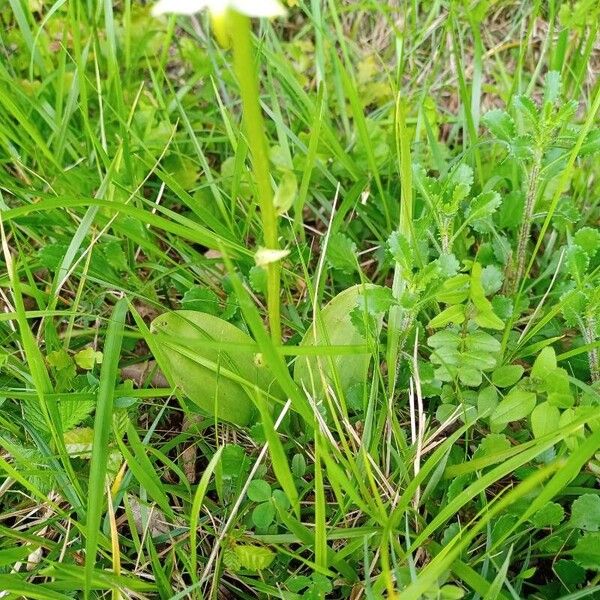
(254, 125)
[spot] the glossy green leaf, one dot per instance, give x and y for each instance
(545, 362)
(259, 490)
(507, 375)
(453, 314)
(263, 515)
(333, 326)
(213, 362)
(517, 405)
(544, 419)
(454, 290)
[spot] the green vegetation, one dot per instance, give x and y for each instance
(313, 316)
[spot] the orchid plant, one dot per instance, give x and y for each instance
(231, 25)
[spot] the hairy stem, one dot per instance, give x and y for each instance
(245, 70)
(517, 267)
(589, 336)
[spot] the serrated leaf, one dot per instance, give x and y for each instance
(400, 250)
(182, 169)
(577, 262)
(115, 256)
(491, 279)
(51, 255)
(448, 264)
(550, 515)
(78, 442)
(552, 86)
(460, 182)
(258, 279)
(252, 557)
(587, 551)
(230, 560)
(375, 300)
(527, 107)
(484, 316)
(510, 213)
(569, 573)
(201, 299)
(447, 338)
(585, 513)
(493, 443)
(234, 462)
(588, 239)
(484, 205)
(500, 123)
(479, 361)
(341, 253)
(502, 306)
(573, 307)
(591, 144)
(451, 592)
(59, 359)
(557, 386)
(471, 377)
(73, 412)
(521, 147)
(87, 358)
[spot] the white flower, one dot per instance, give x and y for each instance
(251, 8)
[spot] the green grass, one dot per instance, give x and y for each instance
(425, 426)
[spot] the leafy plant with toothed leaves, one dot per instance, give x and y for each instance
(308, 236)
(539, 138)
(450, 199)
(580, 303)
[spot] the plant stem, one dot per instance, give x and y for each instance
(589, 336)
(518, 267)
(254, 125)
